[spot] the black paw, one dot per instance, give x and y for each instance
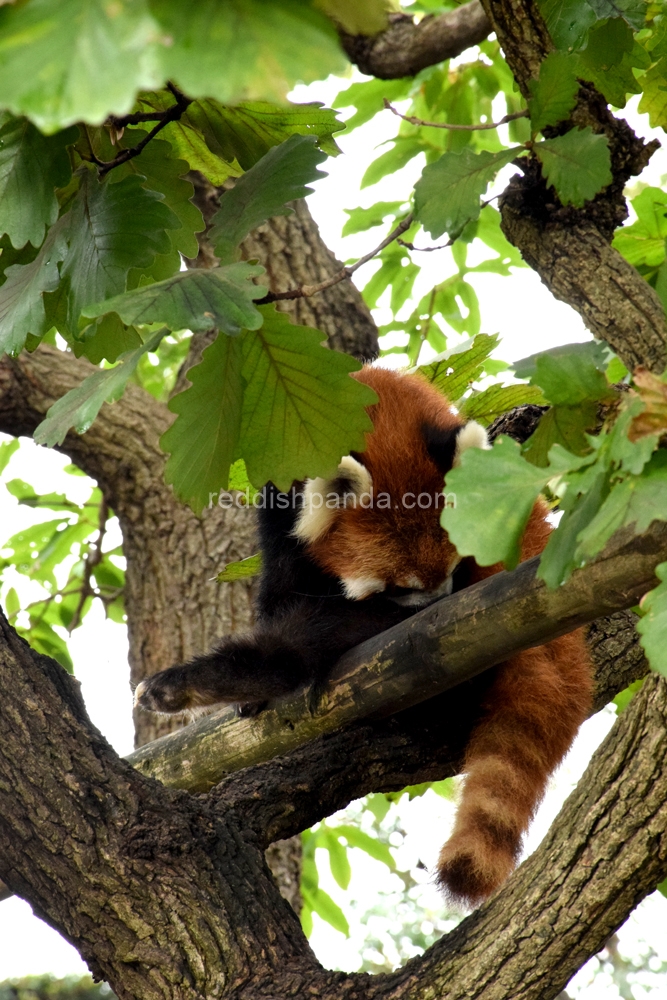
(166, 693)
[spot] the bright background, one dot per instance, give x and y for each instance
(528, 319)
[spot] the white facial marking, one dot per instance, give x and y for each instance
(318, 512)
(358, 587)
(471, 435)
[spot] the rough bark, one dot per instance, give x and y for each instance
(408, 46)
(166, 895)
(570, 248)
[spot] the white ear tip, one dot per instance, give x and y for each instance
(471, 435)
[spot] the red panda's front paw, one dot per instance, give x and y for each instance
(164, 693)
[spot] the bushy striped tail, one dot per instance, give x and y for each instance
(531, 716)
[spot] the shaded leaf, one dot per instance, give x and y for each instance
(554, 92)
(22, 307)
(196, 300)
(301, 409)
(577, 164)
(361, 219)
(110, 228)
(568, 21)
(282, 175)
(79, 407)
(31, 166)
(366, 18)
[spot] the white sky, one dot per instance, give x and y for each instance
(528, 319)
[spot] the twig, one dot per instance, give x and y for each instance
(93, 559)
(456, 128)
(172, 114)
(411, 246)
(305, 291)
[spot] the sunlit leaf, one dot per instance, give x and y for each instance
(577, 164)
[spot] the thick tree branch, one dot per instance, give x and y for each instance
(167, 898)
(408, 46)
(437, 649)
(570, 248)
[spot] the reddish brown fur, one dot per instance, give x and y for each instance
(538, 699)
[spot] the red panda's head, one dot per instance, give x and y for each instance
(376, 525)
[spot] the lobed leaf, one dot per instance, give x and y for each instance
(653, 631)
(486, 406)
(282, 175)
(555, 91)
(454, 370)
(495, 493)
(196, 300)
(447, 196)
(32, 165)
(577, 165)
(79, 407)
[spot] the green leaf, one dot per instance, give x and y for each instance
(643, 243)
(568, 21)
(624, 697)
(367, 98)
(320, 902)
(637, 500)
(366, 18)
(555, 92)
(275, 398)
(110, 228)
(577, 164)
(105, 339)
(31, 166)
(203, 440)
(22, 310)
(7, 449)
(495, 492)
(378, 804)
(44, 639)
(362, 219)
(632, 11)
(447, 196)
(498, 399)
(267, 47)
(161, 171)
(609, 57)
(662, 888)
(338, 859)
(25, 494)
(403, 149)
(559, 558)
(370, 845)
(653, 626)
(63, 61)
(12, 603)
(453, 371)
(196, 300)
(563, 425)
(79, 407)
(570, 374)
(654, 96)
(282, 175)
(241, 570)
(301, 409)
(246, 131)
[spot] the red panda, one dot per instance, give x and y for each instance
(345, 559)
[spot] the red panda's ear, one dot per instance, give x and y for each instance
(471, 435)
(445, 446)
(440, 445)
(323, 498)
